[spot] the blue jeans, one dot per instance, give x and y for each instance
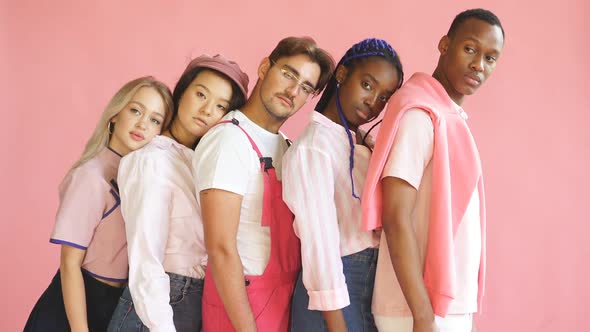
(359, 271)
(185, 299)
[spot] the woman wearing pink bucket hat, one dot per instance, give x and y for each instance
(167, 256)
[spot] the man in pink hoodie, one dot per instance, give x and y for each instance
(425, 188)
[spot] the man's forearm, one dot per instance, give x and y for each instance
(405, 258)
(228, 274)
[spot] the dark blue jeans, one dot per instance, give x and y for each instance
(185, 299)
(359, 271)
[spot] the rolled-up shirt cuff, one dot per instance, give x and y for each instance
(332, 299)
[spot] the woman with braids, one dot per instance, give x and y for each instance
(323, 176)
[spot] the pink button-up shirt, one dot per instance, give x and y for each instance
(164, 230)
(317, 188)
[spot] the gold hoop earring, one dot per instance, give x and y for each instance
(110, 128)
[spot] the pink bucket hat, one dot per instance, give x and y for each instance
(222, 64)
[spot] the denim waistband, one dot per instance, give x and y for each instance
(368, 255)
(183, 282)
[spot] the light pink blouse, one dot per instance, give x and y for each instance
(317, 188)
(89, 216)
(164, 230)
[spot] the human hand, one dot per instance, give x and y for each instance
(421, 325)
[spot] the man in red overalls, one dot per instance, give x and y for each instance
(254, 254)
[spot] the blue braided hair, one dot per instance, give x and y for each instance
(358, 52)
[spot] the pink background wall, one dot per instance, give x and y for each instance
(62, 60)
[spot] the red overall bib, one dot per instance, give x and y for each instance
(270, 293)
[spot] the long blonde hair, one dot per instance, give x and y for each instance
(101, 136)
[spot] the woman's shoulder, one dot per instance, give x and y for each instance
(90, 174)
(157, 157)
(155, 151)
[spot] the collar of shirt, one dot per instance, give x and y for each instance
(167, 143)
(263, 133)
(324, 121)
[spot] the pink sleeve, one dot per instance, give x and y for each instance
(412, 148)
(82, 207)
(308, 190)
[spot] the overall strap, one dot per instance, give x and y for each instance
(265, 162)
(269, 177)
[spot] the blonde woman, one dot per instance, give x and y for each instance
(89, 227)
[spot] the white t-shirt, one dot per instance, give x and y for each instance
(410, 160)
(224, 159)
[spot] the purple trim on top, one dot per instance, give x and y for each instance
(115, 185)
(105, 278)
(118, 202)
(115, 152)
(56, 241)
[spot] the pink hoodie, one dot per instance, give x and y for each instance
(456, 173)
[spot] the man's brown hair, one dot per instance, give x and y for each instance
(292, 46)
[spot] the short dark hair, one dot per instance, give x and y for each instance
(477, 13)
(359, 52)
(292, 46)
(237, 97)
